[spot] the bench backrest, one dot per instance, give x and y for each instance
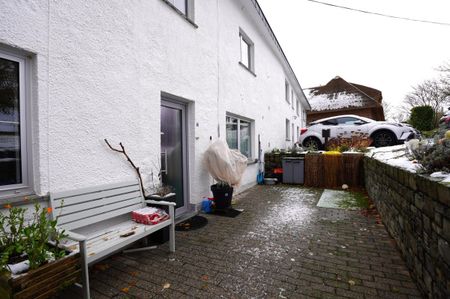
(83, 207)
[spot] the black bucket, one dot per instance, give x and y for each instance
(222, 196)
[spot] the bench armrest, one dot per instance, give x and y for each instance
(163, 203)
(75, 236)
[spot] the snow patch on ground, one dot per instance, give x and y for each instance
(339, 100)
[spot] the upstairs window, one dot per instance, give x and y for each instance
(238, 133)
(286, 92)
(288, 129)
(183, 7)
(247, 52)
(292, 98)
(14, 151)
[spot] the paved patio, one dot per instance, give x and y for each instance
(281, 246)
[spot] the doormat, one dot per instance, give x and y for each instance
(346, 200)
(192, 223)
(230, 212)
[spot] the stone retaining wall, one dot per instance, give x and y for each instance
(416, 212)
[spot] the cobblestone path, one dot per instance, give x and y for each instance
(281, 246)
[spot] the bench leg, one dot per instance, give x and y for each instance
(172, 229)
(84, 270)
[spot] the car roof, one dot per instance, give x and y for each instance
(339, 116)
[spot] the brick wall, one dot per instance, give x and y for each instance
(416, 212)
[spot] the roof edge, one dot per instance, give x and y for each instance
(277, 44)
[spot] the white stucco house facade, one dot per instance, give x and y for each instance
(73, 73)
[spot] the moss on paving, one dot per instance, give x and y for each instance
(354, 200)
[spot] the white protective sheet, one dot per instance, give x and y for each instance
(225, 164)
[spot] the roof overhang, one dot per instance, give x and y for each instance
(259, 18)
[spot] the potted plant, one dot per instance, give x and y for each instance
(222, 193)
(32, 262)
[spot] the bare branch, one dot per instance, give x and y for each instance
(129, 160)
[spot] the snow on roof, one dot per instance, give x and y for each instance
(340, 100)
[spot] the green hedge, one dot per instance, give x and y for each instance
(422, 118)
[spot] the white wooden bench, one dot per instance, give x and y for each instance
(98, 219)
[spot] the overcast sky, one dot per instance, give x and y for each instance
(391, 55)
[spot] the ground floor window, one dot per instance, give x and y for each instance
(238, 132)
(13, 139)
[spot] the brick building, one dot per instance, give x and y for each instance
(339, 97)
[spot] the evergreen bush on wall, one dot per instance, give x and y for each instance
(422, 118)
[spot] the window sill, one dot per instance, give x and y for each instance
(20, 200)
(245, 67)
(181, 14)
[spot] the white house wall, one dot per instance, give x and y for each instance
(99, 68)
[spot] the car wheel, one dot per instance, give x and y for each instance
(312, 143)
(384, 138)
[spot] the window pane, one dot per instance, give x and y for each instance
(10, 157)
(286, 90)
(232, 132)
(287, 129)
(293, 133)
(245, 52)
(347, 120)
(180, 5)
(245, 138)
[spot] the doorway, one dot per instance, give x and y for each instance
(174, 151)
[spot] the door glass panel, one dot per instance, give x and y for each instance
(232, 132)
(245, 138)
(172, 148)
(10, 149)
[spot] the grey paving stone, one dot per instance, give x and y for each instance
(281, 246)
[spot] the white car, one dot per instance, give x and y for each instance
(382, 133)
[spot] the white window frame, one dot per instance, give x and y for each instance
(243, 38)
(239, 119)
(24, 188)
(297, 107)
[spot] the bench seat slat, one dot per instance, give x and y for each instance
(102, 250)
(87, 213)
(101, 202)
(103, 244)
(98, 218)
(93, 195)
(77, 192)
